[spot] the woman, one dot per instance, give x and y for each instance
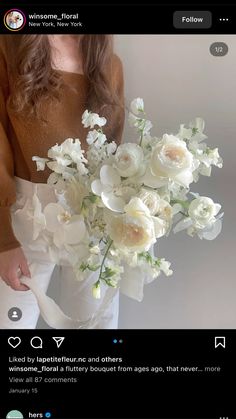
(46, 83)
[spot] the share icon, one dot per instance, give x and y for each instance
(59, 340)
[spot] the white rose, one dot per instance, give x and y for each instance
(150, 199)
(202, 211)
(137, 106)
(133, 230)
(129, 159)
(171, 158)
(156, 205)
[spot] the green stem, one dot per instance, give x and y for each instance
(185, 204)
(104, 259)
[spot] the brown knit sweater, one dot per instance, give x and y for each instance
(22, 137)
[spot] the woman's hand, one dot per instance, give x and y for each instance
(11, 262)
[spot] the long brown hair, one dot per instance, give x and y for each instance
(29, 60)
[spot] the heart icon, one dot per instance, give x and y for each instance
(14, 341)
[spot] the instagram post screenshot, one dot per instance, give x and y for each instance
(117, 211)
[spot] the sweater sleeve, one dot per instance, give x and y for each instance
(8, 240)
(118, 113)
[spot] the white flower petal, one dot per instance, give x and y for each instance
(51, 212)
(217, 208)
(137, 106)
(153, 181)
(74, 231)
(97, 187)
(112, 202)
(182, 225)
(184, 178)
(109, 176)
(159, 226)
(40, 162)
(214, 232)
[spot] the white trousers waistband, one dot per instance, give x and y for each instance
(44, 191)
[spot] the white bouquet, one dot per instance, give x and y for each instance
(116, 202)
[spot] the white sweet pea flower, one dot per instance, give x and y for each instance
(66, 228)
(97, 138)
(202, 211)
(184, 133)
(210, 158)
(141, 124)
(129, 160)
(171, 159)
(96, 291)
(137, 106)
(195, 131)
(165, 267)
(66, 154)
(111, 148)
(109, 187)
(198, 126)
(40, 162)
(90, 119)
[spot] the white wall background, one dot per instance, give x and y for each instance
(179, 79)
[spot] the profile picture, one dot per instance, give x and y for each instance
(14, 20)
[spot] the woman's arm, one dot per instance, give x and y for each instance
(7, 183)
(12, 257)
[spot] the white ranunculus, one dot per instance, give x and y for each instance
(40, 162)
(171, 159)
(133, 230)
(202, 211)
(129, 160)
(90, 119)
(137, 106)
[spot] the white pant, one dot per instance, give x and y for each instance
(75, 298)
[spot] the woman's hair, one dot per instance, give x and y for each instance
(29, 60)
